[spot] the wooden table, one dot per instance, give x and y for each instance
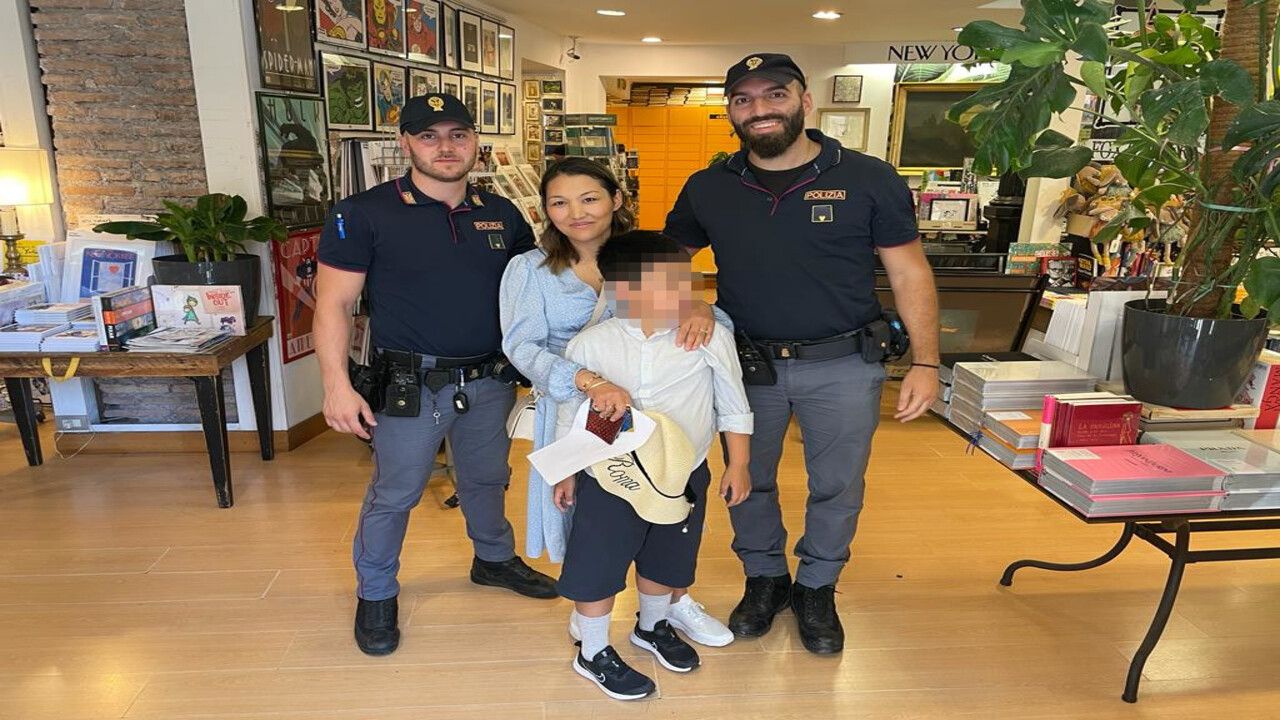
(204, 369)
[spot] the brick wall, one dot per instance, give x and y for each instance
(126, 136)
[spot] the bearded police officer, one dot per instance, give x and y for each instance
(430, 251)
(795, 221)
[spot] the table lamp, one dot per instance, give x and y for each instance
(24, 180)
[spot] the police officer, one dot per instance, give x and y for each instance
(430, 251)
(795, 221)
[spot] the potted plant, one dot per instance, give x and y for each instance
(213, 234)
(1171, 83)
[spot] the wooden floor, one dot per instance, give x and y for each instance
(124, 592)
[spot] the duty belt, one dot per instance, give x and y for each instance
(824, 349)
(445, 371)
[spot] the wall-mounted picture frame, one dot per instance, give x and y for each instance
(488, 107)
(533, 151)
(469, 42)
(918, 139)
(532, 132)
(553, 136)
(471, 96)
(384, 27)
(846, 89)
(422, 31)
(293, 139)
(451, 84)
(340, 22)
(422, 82)
(450, 37)
(295, 262)
(553, 121)
(388, 96)
(506, 109)
(489, 47)
(848, 126)
(553, 87)
(286, 56)
(506, 52)
(555, 105)
(532, 112)
(348, 94)
(532, 89)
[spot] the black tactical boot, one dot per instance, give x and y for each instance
(763, 598)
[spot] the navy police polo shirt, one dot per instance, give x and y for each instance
(800, 265)
(432, 273)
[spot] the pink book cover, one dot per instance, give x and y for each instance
(1047, 412)
(1109, 463)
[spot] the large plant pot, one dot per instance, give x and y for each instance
(1187, 362)
(244, 271)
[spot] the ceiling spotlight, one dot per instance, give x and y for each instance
(827, 15)
(289, 6)
(611, 13)
(651, 39)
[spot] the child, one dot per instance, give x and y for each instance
(701, 393)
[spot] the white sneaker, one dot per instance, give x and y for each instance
(574, 632)
(691, 618)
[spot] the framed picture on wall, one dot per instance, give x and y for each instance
(849, 127)
(340, 22)
(846, 88)
(553, 105)
(450, 37)
(506, 109)
(553, 121)
(532, 89)
(422, 30)
(295, 262)
(532, 132)
(488, 107)
(471, 96)
(295, 158)
(489, 47)
(553, 136)
(286, 57)
(388, 96)
(552, 87)
(422, 82)
(348, 97)
(921, 138)
(506, 52)
(384, 25)
(533, 152)
(451, 84)
(469, 42)
(532, 112)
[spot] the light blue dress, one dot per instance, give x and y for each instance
(541, 313)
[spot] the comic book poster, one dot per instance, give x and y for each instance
(285, 53)
(295, 271)
(423, 30)
(385, 22)
(340, 22)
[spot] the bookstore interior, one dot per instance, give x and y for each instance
(1094, 185)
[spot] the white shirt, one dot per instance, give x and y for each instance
(701, 390)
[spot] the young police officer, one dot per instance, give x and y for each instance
(795, 222)
(430, 251)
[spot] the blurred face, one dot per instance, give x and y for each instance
(445, 151)
(581, 208)
(661, 293)
(767, 116)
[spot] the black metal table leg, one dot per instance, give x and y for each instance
(1182, 542)
(1125, 536)
(22, 399)
(213, 416)
(260, 387)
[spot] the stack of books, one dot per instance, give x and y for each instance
(53, 313)
(1088, 419)
(178, 340)
(1156, 418)
(1116, 480)
(1252, 469)
(122, 315)
(1262, 390)
(27, 338)
(946, 369)
(1011, 436)
(80, 337)
(1018, 385)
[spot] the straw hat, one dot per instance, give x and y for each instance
(654, 478)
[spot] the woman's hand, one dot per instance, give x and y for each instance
(609, 400)
(696, 331)
(562, 494)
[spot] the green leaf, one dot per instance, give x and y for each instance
(1262, 282)
(1058, 162)
(1094, 75)
(988, 35)
(1255, 122)
(1227, 79)
(1034, 54)
(1091, 43)
(1052, 139)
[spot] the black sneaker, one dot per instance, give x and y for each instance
(815, 609)
(763, 598)
(514, 575)
(672, 652)
(613, 676)
(376, 631)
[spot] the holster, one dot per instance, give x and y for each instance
(368, 382)
(757, 366)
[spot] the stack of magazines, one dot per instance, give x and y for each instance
(53, 313)
(20, 338)
(80, 337)
(178, 340)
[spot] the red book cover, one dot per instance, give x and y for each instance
(1087, 424)
(1262, 390)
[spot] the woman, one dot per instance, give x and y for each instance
(548, 296)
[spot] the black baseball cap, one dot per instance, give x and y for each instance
(772, 66)
(423, 111)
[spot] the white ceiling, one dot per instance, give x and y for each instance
(732, 22)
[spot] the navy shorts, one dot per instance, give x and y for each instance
(607, 536)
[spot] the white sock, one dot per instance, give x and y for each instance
(595, 634)
(652, 609)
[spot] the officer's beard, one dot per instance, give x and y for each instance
(426, 169)
(773, 144)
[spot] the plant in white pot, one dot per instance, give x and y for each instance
(1201, 121)
(214, 235)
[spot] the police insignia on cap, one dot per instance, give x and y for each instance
(754, 62)
(436, 103)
